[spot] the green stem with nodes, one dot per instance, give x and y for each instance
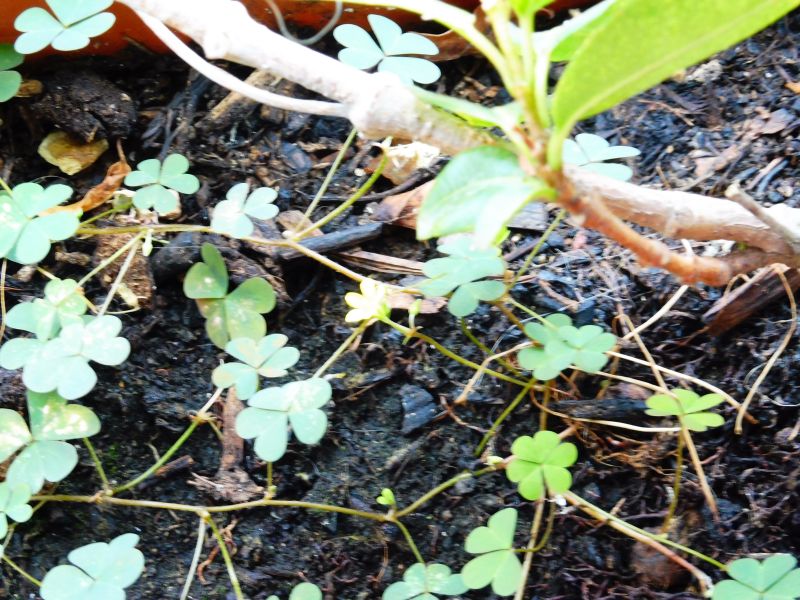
(535, 251)
(342, 347)
(459, 359)
(414, 506)
(347, 203)
(223, 549)
(331, 172)
(97, 464)
(407, 534)
(503, 416)
(20, 570)
(676, 486)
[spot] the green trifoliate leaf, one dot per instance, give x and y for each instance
(272, 410)
(265, 358)
(101, 571)
(156, 179)
(540, 465)
(25, 237)
(588, 151)
(479, 191)
(774, 578)
(14, 505)
(362, 52)
(62, 363)
(688, 407)
(497, 563)
(424, 582)
(563, 345)
(42, 461)
(9, 80)
(232, 215)
(74, 23)
(465, 265)
(63, 304)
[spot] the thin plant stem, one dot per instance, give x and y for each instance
(407, 331)
(269, 493)
(407, 534)
(106, 262)
(123, 270)
(483, 347)
(226, 556)
(21, 571)
(503, 416)
(509, 315)
(342, 348)
(427, 496)
(526, 565)
(5, 187)
(97, 464)
(698, 469)
(198, 549)
(346, 204)
(525, 309)
(535, 251)
(676, 487)
(551, 519)
(473, 381)
(544, 412)
(3, 268)
(331, 172)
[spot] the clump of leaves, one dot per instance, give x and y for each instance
(496, 563)
(158, 179)
(775, 578)
(62, 363)
(232, 215)
(564, 345)
(228, 316)
(63, 304)
(25, 237)
(303, 591)
(688, 407)
(272, 410)
(540, 465)
(45, 454)
(70, 29)
(101, 571)
(9, 80)
(361, 51)
(461, 273)
(589, 152)
(423, 582)
(14, 505)
(265, 358)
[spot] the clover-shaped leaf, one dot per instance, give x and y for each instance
(361, 51)
(498, 563)
(272, 410)
(158, 179)
(25, 237)
(688, 407)
(101, 571)
(386, 498)
(369, 304)
(267, 358)
(62, 363)
(775, 578)
(228, 316)
(9, 80)
(460, 271)
(45, 455)
(589, 152)
(63, 304)
(303, 591)
(14, 505)
(74, 23)
(563, 345)
(232, 215)
(422, 582)
(540, 465)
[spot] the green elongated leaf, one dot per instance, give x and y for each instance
(642, 42)
(475, 183)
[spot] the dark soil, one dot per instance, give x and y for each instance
(146, 403)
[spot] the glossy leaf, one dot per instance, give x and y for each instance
(642, 42)
(497, 563)
(477, 192)
(539, 465)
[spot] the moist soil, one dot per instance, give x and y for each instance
(695, 134)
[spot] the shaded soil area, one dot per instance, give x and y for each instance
(732, 119)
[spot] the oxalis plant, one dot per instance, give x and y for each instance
(516, 155)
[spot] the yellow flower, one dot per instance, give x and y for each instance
(369, 304)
